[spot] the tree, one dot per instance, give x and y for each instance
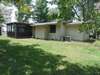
(91, 19)
(1, 19)
(53, 14)
(41, 11)
(1, 16)
(87, 8)
(66, 8)
(24, 10)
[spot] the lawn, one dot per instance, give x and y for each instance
(44, 57)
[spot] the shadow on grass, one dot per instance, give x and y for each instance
(30, 60)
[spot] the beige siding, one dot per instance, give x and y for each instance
(64, 30)
(75, 34)
(86, 36)
(55, 36)
(41, 32)
(60, 32)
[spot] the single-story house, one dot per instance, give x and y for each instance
(59, 31)
(19, 30)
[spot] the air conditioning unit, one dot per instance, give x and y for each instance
(67, 38)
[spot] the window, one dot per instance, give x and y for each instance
(52, 28)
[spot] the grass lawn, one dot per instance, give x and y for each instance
(43, 57)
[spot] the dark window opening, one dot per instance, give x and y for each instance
(52, 28)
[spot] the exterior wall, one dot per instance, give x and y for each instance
(55, 36)
(66, 30)
(60, 32)
(75, 34)
(41, 32)
(33, 32)
(86, 36)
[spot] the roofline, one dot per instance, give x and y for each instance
(18, 23)
(53, 23)
(74, 23)
(45, 23)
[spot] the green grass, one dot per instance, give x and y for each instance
(44, 57)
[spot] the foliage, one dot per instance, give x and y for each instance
(41, 11)
(52, 16)
(91, 19)
(1, 19)
(87, 8)
(65, 8)
(24, 10)
(97, 24)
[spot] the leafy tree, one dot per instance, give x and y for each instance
(1, 19)
(41, 11)
(52, 14)
(91, 18)
(87, 8)
(24, 11)
(65, 8)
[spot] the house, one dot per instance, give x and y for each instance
(19, 30)
(59, 31)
